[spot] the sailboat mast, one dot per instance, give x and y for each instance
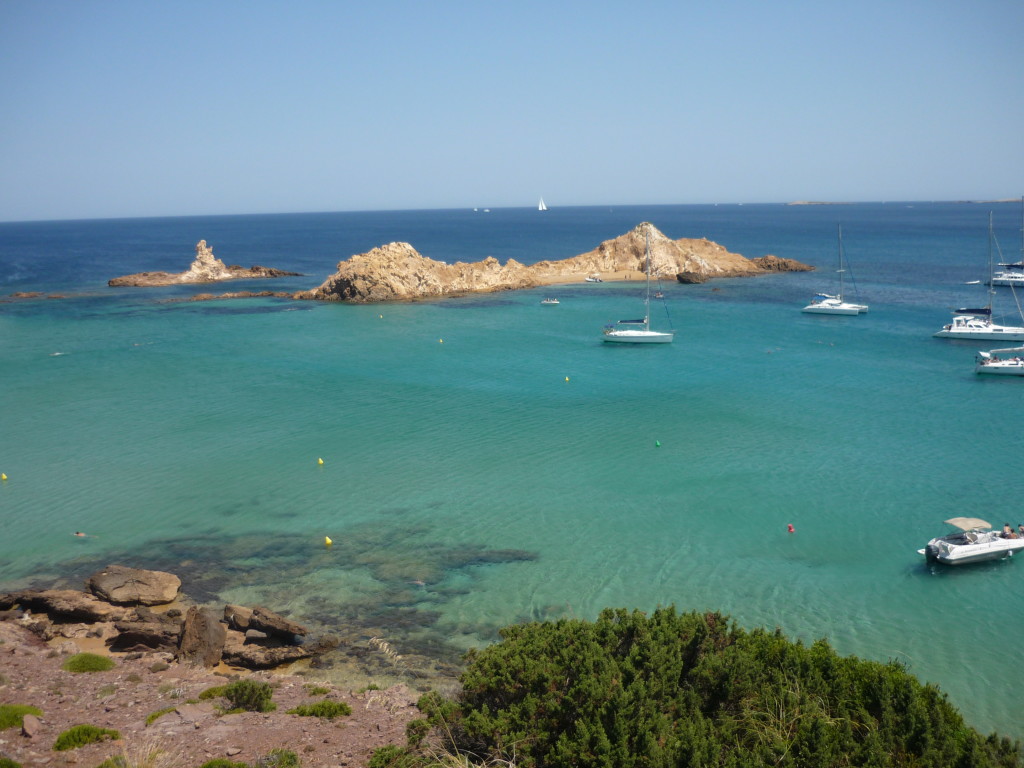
(647, 300)
(991, 287)
(841, 294)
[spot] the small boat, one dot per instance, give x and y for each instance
(991, 362)
(639, 331)
(593, 279)
(549, 301)
(541, 206)
(835, 304)
(977, 323)
(975, 542)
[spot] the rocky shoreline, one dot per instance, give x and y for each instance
(205, 268)
(398, 272)
(166, 653)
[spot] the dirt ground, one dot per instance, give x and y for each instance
(189, 734)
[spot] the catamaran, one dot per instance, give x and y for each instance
(976, 323)
(828, 304)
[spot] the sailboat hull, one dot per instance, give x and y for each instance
(840, 308)
(624, 336)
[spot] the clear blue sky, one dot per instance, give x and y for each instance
(129, 108)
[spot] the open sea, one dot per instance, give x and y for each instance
(488, 460)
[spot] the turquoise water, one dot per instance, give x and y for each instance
(488, 460)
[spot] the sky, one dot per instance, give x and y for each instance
(120, 108)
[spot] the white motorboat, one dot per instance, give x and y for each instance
(549, 301)
(1011, 364)
(835, 304)
(977, 323)
(593, 279)
(639, 331)
(975, 542)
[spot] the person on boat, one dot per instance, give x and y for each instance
(1020, 529)
(1008, 532)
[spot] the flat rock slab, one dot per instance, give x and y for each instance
(121, 585)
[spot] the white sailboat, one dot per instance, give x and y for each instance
(977, 323)
(1013, 275)
(541, 206)
(829, 304)
(639, 331)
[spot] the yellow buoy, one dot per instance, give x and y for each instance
(440, 341)
(3, 477)
(319, 461)
(566, 378)
(327, 541)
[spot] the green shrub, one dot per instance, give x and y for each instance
(416, 731)
(213, 693)
(632, 690)
(13, 715)
(326, 709)
(152, 717)
(279, 758)
(223, 762)
(6, 762)
(80, 735)
(316, 690)
(395, 757)
(88, 662)
(250, 695)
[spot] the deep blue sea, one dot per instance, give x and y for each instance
(488, 460)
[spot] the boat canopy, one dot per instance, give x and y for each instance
(1002, 351)
(968, 523)
(973, 311)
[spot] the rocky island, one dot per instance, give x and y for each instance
(206, 268)
(397, 272)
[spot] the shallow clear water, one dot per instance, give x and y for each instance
(488, 459)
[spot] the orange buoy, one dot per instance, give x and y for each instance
(790, 528)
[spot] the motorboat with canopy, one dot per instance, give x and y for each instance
(974, 542)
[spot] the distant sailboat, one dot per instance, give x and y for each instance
(541, 206)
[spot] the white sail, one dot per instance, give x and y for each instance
(541, 206)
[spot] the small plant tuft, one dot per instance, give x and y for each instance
(213, 693)
(251, 696)
(325, 709)
(316, 690)
(6, 762)
(279, 758)
(223, 762)
(80, 735)
(88, 662)
(152, 717)
(13, 715)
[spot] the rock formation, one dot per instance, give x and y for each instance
(206, 268)
(247, 637)
(397, 272)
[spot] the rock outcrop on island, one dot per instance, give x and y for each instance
(206, 268)
(397, 272)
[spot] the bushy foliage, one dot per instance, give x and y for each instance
(88, 662)
(325, 709)
(80, 735)
(250, 695)
(393, 756)
(213, 693)
(223, 762)
(13, 715)
(6, 762)
(692, 689)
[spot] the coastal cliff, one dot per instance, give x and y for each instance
(397, 272)
(205, 268)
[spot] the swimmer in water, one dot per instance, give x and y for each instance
(79, 533)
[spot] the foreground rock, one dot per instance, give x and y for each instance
(206, 268)
(254, 638)
(397, 272)
(134, 586)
